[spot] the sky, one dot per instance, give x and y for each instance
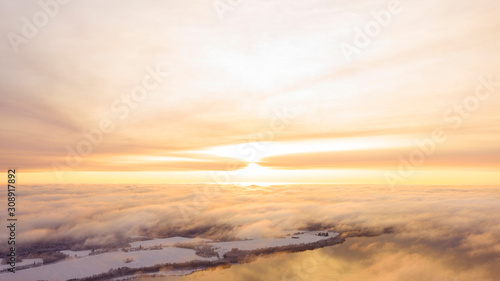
(386, 92)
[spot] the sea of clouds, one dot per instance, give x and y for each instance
(446, 231)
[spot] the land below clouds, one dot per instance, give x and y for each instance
(234, 256)
(174, 256)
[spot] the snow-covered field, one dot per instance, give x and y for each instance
(76, 254)
(95, 264)
(167, 241)
(307, 237)
(84, 265)
(23, 263)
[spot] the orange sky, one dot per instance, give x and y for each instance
(266, 94)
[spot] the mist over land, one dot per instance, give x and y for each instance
(444, 231)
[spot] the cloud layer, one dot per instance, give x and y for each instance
(452, 230)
